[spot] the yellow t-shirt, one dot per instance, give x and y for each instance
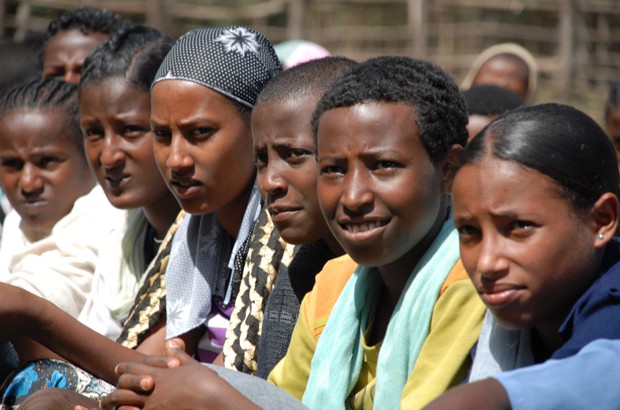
(443, 360)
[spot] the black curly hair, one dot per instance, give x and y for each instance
(439, 108)
(133, 54)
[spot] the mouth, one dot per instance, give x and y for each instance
(362, 231)
(116, 180)
(185, 187)
(33, 203)
(500, 296)
(280, 213)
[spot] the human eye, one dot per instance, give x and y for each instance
(48, 161)
(11, 163)
(297, 155)
(134, 131)
(467, 232)
(92, 133)
(260, 159)
(162, 136)
(387, 164)
(521, 226)
(201, 133)
(332, 170)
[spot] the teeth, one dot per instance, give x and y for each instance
(363, 227)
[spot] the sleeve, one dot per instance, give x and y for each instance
(291, 374)
(595, 316)
(61, 272)
(572, 383)
(445, 356)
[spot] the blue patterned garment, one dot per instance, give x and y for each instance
(49, 373)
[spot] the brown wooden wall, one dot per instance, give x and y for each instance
(577, 42)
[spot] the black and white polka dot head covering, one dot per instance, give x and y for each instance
(235, 61)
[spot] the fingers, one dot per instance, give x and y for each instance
(161, 361)
(125, 399)
(136, 383)
(176, 351)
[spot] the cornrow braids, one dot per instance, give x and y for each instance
(439, 108)
(613, 99)
(43, 94)
(133, 54)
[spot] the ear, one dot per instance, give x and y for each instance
(605, 217)
(447, 166)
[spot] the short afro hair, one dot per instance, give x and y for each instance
(87, 20)
(438, 105)
(310, 79)
(490, 100)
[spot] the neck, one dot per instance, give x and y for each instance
(333, 245)
(396, 274)
(161, 214)
(231, 216)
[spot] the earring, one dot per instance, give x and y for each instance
(601, 236)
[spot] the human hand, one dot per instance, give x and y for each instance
(173, 381)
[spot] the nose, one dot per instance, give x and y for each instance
(357, 196)
(112, 156)
(179, 157)
(30, 181)
(270, 179)
(72, 74)
(492, 263)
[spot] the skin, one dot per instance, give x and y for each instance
(287, 170)
(379, 192)
(476, 123)
(203, 148)
(612, 122)
(505, 73)
(520, 242)
(115, 120)
(488, 394)
(66, 51)
(43, 169)
(172, 373)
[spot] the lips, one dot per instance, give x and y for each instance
(363, 230)
(33, 204)
(185, 187)
(282, 212)
(500, 295)
(116, 180)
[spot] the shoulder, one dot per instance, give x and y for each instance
(319, 303)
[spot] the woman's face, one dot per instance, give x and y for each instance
(528, 253)
(378, 188)
(115, 119)
(42, 168)
(287, 168)
(65, 53)
(203, 146)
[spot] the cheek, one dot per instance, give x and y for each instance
(160, 153)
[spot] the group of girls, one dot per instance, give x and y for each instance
(344, 157)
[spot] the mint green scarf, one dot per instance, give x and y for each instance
(338, 358)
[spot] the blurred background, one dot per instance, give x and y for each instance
(576, 42)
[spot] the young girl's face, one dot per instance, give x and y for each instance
(65, 53)
(115, 119)
(528, 253)
(377, 186)
(287, 168)
(203, 146)
(43, 171)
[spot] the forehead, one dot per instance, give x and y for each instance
(113, 91)
(32, 127)
(290, 116)
(369, 126)
(181, 98)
